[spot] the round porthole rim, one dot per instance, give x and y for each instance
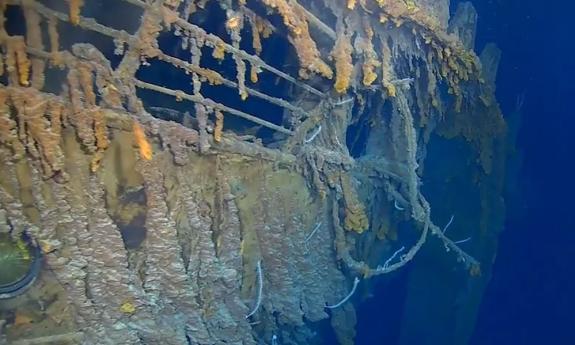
(21, 285)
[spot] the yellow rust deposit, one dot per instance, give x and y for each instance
(254, 70)
(144, 146)
(17, 61)
(306, 48)
(355, 215)
(370, 58)
(219, 51)
(343, 63)
(75, 7)
(233, 22)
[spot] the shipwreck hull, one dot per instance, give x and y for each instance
(158, 224)
(155, 251)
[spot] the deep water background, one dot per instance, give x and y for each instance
(531, 296)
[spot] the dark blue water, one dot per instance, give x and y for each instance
(531, 297)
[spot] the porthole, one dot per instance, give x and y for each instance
(20, 264)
